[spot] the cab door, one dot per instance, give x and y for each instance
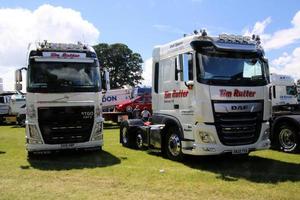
(183, 99)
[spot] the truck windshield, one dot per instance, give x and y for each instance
(63, 77)
(231, 69)
(291, 90)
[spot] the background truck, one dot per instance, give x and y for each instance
(12, 108)
(209, 96)
(112, 98)
(4, 105)
(284, 90)
(285, 123)
(63, 99)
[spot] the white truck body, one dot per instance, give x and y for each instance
(63, 99)
(113, 97)
(17, 104)
(4, 104)
(214, 114)
(283, 90)
(1, 85)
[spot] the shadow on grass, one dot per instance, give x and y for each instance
(2, 152)
(17, 126)
(66, 160)
(253, 168)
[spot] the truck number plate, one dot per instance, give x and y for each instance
(67, 146)
(240, 151)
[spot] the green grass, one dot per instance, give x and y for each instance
(121, 173)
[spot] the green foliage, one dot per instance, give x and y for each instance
(125, 66)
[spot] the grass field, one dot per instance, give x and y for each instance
(121, 173)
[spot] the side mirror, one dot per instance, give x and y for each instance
(105, 80)
(18, 86)
(18, 76)
(189, 84)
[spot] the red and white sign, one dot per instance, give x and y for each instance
(65, 55)
(236, 93)
(176, 94)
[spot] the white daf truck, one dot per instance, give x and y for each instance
(63, 98)
(209, 97)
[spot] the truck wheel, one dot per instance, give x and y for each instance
(125, 137)
(21, 120)
(173, 147)
(31, 155)
(287, 138)
(139, 140)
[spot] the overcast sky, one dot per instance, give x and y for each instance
(143, 24)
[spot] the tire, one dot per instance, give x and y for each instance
(287, 138)
(21, 120)
(125, 137)
(31, 155)
(172, 145)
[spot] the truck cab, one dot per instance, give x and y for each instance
(4, 106)
(63, 99)
(284, 90)
(209, 96)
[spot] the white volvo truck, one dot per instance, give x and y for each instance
(63, 98)
(209, 97)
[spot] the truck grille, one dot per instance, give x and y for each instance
(60, 125)
(239, 127)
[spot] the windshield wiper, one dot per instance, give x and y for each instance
(256, 77)
(222, 77)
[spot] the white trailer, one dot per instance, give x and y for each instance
(113, 97)
(209, 96)
(63, 99)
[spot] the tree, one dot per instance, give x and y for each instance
(124, 66)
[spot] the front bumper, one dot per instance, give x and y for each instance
(197, 148)
(52, 147)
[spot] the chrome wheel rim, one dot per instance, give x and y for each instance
(174, 145)
(124, 135)
(139, 141)
(287, 139)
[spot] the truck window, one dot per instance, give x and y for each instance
(167, 68)
(156, 75)
(176, 69)
(291, 90)
(252, 69)
(2, 100)
(186, 62)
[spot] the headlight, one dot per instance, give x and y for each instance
(207, 138)
(34, 136)
(97, 135)
(33, 132)
(30, 111)
(266, 134)
(98, 111)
